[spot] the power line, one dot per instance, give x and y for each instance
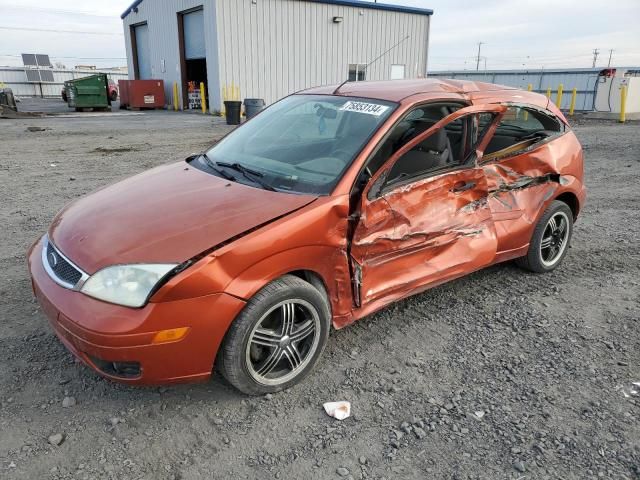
(114, 16)
(2, 27)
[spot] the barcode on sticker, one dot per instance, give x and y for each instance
(363, 107)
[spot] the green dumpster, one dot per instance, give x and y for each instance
(88, 92)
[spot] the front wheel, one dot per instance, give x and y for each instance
(277, 339)
(550, 239)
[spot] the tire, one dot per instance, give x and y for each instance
(548, 235)
(277, 339)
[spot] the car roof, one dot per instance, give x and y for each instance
(396, 90)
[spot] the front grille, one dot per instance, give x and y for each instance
(61, 269)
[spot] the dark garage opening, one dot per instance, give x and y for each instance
(193, 57)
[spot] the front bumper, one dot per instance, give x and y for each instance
(100, 333)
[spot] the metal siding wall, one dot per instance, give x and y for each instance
(16, 80)
(272, 48)
(161, 16)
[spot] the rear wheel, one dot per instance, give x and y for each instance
(277, 339)
(550, 240)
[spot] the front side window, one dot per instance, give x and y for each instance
(302, 144)
(413, 124)
(449, 147)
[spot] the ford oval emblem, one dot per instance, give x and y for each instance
(53, 259)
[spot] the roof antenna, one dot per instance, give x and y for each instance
(340, 86)
(372, 62)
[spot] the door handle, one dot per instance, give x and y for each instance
(462, 186)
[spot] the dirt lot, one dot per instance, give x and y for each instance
(499, 375)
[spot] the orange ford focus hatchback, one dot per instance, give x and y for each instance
(324, 208)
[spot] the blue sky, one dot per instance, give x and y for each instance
(516, 34)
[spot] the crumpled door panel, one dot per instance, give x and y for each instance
(435, 235)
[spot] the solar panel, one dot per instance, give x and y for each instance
(32, 75)
(46, 75)
(29, 59)
(43, 60)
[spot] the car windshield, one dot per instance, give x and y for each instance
(302, 144)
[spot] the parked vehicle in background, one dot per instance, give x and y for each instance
(327, 206)
(112, 89)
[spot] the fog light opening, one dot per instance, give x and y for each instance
(126, 369)
(117, 369)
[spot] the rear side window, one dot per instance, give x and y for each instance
(529, 120)
(520, 129)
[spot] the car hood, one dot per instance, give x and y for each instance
(165, 215)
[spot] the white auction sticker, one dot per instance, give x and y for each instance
(362, 107)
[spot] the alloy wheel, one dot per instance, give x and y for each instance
(554, 239)
(283, 342)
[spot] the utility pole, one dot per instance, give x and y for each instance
(596, 52)
(478, 58)
(610, 54)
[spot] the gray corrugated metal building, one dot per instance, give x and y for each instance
(271, 48)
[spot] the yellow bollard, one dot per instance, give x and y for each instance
(224, 98)
(203, 99)
(559, 96)
(623, 104)
(175, 96)
(549, 92)
(572, 106)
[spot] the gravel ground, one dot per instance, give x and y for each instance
(499, 375)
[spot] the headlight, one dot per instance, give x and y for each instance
(127, 285)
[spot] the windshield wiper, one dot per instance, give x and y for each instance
(252, 175)
(212, 165)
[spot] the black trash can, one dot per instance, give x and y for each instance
(232, 111)
(253, 106)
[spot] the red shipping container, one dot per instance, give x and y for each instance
(141, 93)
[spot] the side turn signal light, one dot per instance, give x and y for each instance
(171, 335)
